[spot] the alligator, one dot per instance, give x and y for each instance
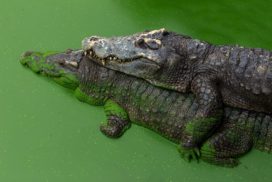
(216, 74)
(127, 99)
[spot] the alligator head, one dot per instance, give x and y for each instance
(141, 54)
(62, 67)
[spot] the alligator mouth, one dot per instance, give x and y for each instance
(72, 64)
(112, 58)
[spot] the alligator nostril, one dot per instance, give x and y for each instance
(68, 51)
(27, 53)
(61, 62)
(93, 38)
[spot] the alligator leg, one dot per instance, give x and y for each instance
(207, 118)
(226, 145)
(196, 130)
(117, 120)
(81, 96)
(207, 96)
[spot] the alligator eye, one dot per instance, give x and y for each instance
(165, 33)
(141, 43)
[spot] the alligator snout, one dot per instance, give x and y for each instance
(32, 60)
(24, 57)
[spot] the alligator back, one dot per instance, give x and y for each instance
(165, 111)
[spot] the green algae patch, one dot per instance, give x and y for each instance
(113, 108)
(81, 96)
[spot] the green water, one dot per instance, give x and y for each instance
(46, 135)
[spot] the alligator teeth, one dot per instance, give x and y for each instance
(103, 62)
(74, 64)
(89, 52)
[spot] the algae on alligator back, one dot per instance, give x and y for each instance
(128, 99)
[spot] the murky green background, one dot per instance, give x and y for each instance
(46, 135)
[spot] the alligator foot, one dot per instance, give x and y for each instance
(117, 122)
(227, 144)
(196, 131)
(225, 162)
(115, 127)
(210, 155)
(189, 154)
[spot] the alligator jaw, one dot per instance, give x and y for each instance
(62, 67)
(91, 54)
(112, 59)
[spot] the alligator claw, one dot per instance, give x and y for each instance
(189, 154)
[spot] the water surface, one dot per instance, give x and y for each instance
(47, 135)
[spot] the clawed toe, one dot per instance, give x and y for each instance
(189, 154)
(110, 131)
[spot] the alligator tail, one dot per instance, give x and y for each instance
(262, 133)
(254, 124)
(240, 131)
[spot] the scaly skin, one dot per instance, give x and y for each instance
(238, 77)
(129, 99)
